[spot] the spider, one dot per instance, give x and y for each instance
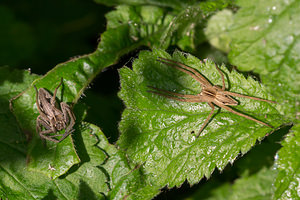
(52, 118)
(212, 94)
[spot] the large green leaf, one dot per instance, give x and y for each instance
(157, 131)
(288, 166)
(12, 82)
(76, 75)
(103, 171)
(265, 38)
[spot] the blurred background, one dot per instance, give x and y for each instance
(41, 34)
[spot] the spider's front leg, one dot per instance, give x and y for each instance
(176, 96)
(40, 121)
(44, 134)
(55, 91)
(69, 118)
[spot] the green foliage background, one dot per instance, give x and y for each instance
(132, 144)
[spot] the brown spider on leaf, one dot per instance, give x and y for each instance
(212, 94)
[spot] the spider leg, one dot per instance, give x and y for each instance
(55, 91)
(66, 134)
(64, 108)
(207, 119)
(43, 135)
(176, 96)
(40, 121)
(186, 69)
(248, 97)
(41, 111)
(172, 93)
(243, 115)
(51, 136)
(67, 112)
(222, 76)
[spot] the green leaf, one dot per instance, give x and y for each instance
(132, 185)
(76, 75)
(186, 28)
(217, 29)
(288, 166)
(143, 24)
(15, 181)
(12, 82)
(87, 180)
(265, 38)
(103, 171)
(256, 187)
(157, 131)
(106, 168)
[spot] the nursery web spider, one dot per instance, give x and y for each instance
(52, 118)
(212, 94)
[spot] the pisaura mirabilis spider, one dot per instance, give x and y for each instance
(52, 118)
(212, 94)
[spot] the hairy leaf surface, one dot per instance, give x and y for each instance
(158, 131)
